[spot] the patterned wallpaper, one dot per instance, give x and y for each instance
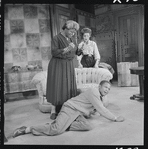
(105, 35)
(106, 46)
(27, 36)
(104, 23)
(86, 20)
(99, 9)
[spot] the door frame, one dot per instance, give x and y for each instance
(61, 11)
(129, 11)
(55, 11)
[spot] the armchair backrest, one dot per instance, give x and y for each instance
(92, 75)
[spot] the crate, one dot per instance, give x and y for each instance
(125, 78)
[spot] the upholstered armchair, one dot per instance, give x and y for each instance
(85, 78)
(91, 77)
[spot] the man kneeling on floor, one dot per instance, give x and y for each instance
(74, 113)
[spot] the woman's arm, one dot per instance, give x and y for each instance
(56, 51)
(96, 55)
(79, 61)
(79, 50)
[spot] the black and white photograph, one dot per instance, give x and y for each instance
(73, 74)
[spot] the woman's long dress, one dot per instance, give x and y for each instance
(61, 81)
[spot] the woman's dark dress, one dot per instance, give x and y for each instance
(61, 81)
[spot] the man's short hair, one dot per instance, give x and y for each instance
(104, 81)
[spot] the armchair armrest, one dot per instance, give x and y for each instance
(104, 74)
(39, 80)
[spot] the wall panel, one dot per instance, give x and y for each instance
(27, 35)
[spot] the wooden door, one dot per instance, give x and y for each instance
(128, 38)
(129, 25)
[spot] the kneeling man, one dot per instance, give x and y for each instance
(74, 113)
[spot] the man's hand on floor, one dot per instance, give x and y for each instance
(119, 119)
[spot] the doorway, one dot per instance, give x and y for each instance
(128, 38)
(129, 34)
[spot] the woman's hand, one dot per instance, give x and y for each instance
(80, 66)
(96, 66)
(80, 46)
(69, 48)
(71, 45)
(79, 62)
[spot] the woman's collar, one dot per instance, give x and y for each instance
(88, 42)
(64, 35)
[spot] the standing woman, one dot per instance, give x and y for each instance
(61, 81)
(88, 53)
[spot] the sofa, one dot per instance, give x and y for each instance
(85, 78)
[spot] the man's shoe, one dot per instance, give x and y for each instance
(19, 131)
